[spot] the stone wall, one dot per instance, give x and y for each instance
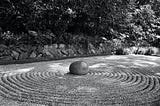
(54, 51)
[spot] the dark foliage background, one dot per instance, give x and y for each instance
(44, 22)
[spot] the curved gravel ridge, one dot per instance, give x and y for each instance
(117, 86)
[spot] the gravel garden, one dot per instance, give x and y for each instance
(130, 80)
(118, 42)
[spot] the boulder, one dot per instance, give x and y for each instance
(79, 68)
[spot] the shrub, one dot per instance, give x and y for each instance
(90, 17)
(140, 50)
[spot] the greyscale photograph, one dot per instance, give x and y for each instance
(79, 52)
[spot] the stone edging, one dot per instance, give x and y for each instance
(27, 53)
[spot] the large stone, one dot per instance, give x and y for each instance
(71, 52)
(79, 68)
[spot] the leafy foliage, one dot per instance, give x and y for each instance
(133, 22)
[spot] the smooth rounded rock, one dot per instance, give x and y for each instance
(79, 68)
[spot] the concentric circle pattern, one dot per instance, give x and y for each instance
(118, 86)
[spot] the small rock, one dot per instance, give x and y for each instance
(55, 45)
(15, 55)
(92, 51)
(80, 52)
(59, 53)
(6, 52)
(39, 49)
(46, 46)
(64, 52)
(99, 50)
(52, 47)
(6, 58)
(70, 52)
(47, 54)
(101, 44)
(16, 49)
(33, 55)
(49, 51)
(39, 56)
(23, 48)
(155, 50)
(23, 55)
(33, 33)
(91, 48)
(61, 46)
(3, 46)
